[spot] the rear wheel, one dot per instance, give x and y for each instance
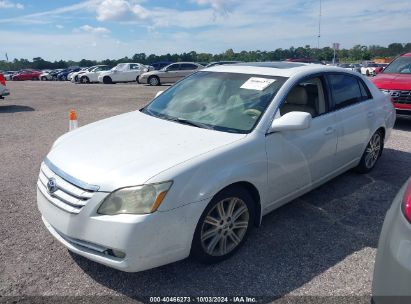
(43, 78)
(223, 226)
(63, 78)
(107, 80)
(154, 81)
(371, 153)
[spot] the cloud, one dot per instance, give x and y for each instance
(120, 10)
(93, 30)
(59, 26)
(9, 4)
(219, 6)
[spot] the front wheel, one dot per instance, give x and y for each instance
(223, 226)
(43, 78)
(371, 153)
(107, 80)
(84, 79)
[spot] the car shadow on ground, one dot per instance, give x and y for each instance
(294, 244)
(15, 109)
(403, 123)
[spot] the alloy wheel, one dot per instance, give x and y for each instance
(225, 226)
(373, 150)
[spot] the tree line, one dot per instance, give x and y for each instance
(355, 54)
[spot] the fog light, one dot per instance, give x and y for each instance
(118, 253)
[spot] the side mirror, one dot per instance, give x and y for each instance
(291, 121)
(158, 94)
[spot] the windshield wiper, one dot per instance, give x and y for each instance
(189, 122)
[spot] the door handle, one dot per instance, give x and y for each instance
(370, 114)
(329, 131)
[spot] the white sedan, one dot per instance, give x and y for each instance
(123, 72)
(92, 75)
(198, 167)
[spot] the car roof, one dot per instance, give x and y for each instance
(276, 68)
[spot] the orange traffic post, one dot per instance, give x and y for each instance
(72, 120)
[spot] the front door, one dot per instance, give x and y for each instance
(299, 159)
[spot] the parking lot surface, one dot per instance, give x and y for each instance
(322, 244)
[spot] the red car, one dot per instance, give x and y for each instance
(27, 75)
(396, 81)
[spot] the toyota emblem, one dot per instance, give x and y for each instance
(52, 185)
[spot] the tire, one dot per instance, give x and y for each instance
(76, 79)
(137, 79)
(367, 72)
(84, 79)
(44, 78)
(34, 78)
(154, 81)
(63, 78)
(216, 238)
(372, 153)
(107, 80)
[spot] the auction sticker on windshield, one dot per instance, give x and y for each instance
(257, 83)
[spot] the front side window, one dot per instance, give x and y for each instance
(173, 67)
(401, 65)
(307, 96)
(229, 102)
(345, 90)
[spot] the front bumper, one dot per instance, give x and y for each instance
(147, 241)
(392, 272)
(403, 109)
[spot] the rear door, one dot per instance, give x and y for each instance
(187, 69)
(352, 103)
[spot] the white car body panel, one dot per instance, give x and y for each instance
(125, 75)
(115, 153)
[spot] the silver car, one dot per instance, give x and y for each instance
(170, 74)
(392, 272)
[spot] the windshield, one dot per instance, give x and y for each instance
(120, 67)
(401, 65)
(229, 102)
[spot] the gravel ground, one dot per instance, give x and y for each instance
(322, 244)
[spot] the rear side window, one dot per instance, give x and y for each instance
(188, 66)
(346, 90)
(173, 67)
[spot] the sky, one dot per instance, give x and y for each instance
(100, 29)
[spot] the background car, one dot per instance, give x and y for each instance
(8, 75)
(62, 76)
(75, 76)
(3, 90)
(392, 270)
(123, 72)
(170, 74)
(395, 80)
(92, 75)
(368, 68)
(27, 75)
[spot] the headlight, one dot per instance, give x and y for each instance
(135, 200)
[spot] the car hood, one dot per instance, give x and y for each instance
(131, 148)
(392, 81)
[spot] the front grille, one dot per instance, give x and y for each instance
(400, 96)
(65, 195)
